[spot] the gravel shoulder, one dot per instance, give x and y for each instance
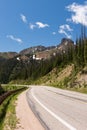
(26, 118)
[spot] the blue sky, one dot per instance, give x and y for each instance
(26, 23)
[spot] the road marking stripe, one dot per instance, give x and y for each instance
(53, 114)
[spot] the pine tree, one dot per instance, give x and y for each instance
(85, 51)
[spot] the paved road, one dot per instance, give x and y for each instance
(58, 109)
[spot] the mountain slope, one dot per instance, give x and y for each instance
(7, 55)
(65, 78)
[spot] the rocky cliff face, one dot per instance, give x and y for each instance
(65, 44)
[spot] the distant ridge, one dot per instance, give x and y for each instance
(40, 50)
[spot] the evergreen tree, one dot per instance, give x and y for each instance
(85, 51)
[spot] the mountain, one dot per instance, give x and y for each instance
(41, 52)
(65, 44)
(35, 49)
(63, 47)
(33, 62)
(32, 50)
(7, 55)
(64, 65)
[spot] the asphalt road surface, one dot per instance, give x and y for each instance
(58, 109)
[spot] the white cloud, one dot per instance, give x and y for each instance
(23, 18)
(15, 38)
(54, 33)
(41, 25)
(32, 26)
(65, 29)
(64, 32)
(79, 13)
(38, 25)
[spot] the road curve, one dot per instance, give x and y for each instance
(58, 109)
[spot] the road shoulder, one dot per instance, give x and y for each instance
(26, 118)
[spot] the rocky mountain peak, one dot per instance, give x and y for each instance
(66, 41)
(65, 44)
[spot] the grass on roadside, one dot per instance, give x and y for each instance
(11, 87)
(8, 118)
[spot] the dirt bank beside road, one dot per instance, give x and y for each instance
(26, 118)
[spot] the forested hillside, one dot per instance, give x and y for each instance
(27, 68)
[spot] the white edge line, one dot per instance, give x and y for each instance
(53, 114)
